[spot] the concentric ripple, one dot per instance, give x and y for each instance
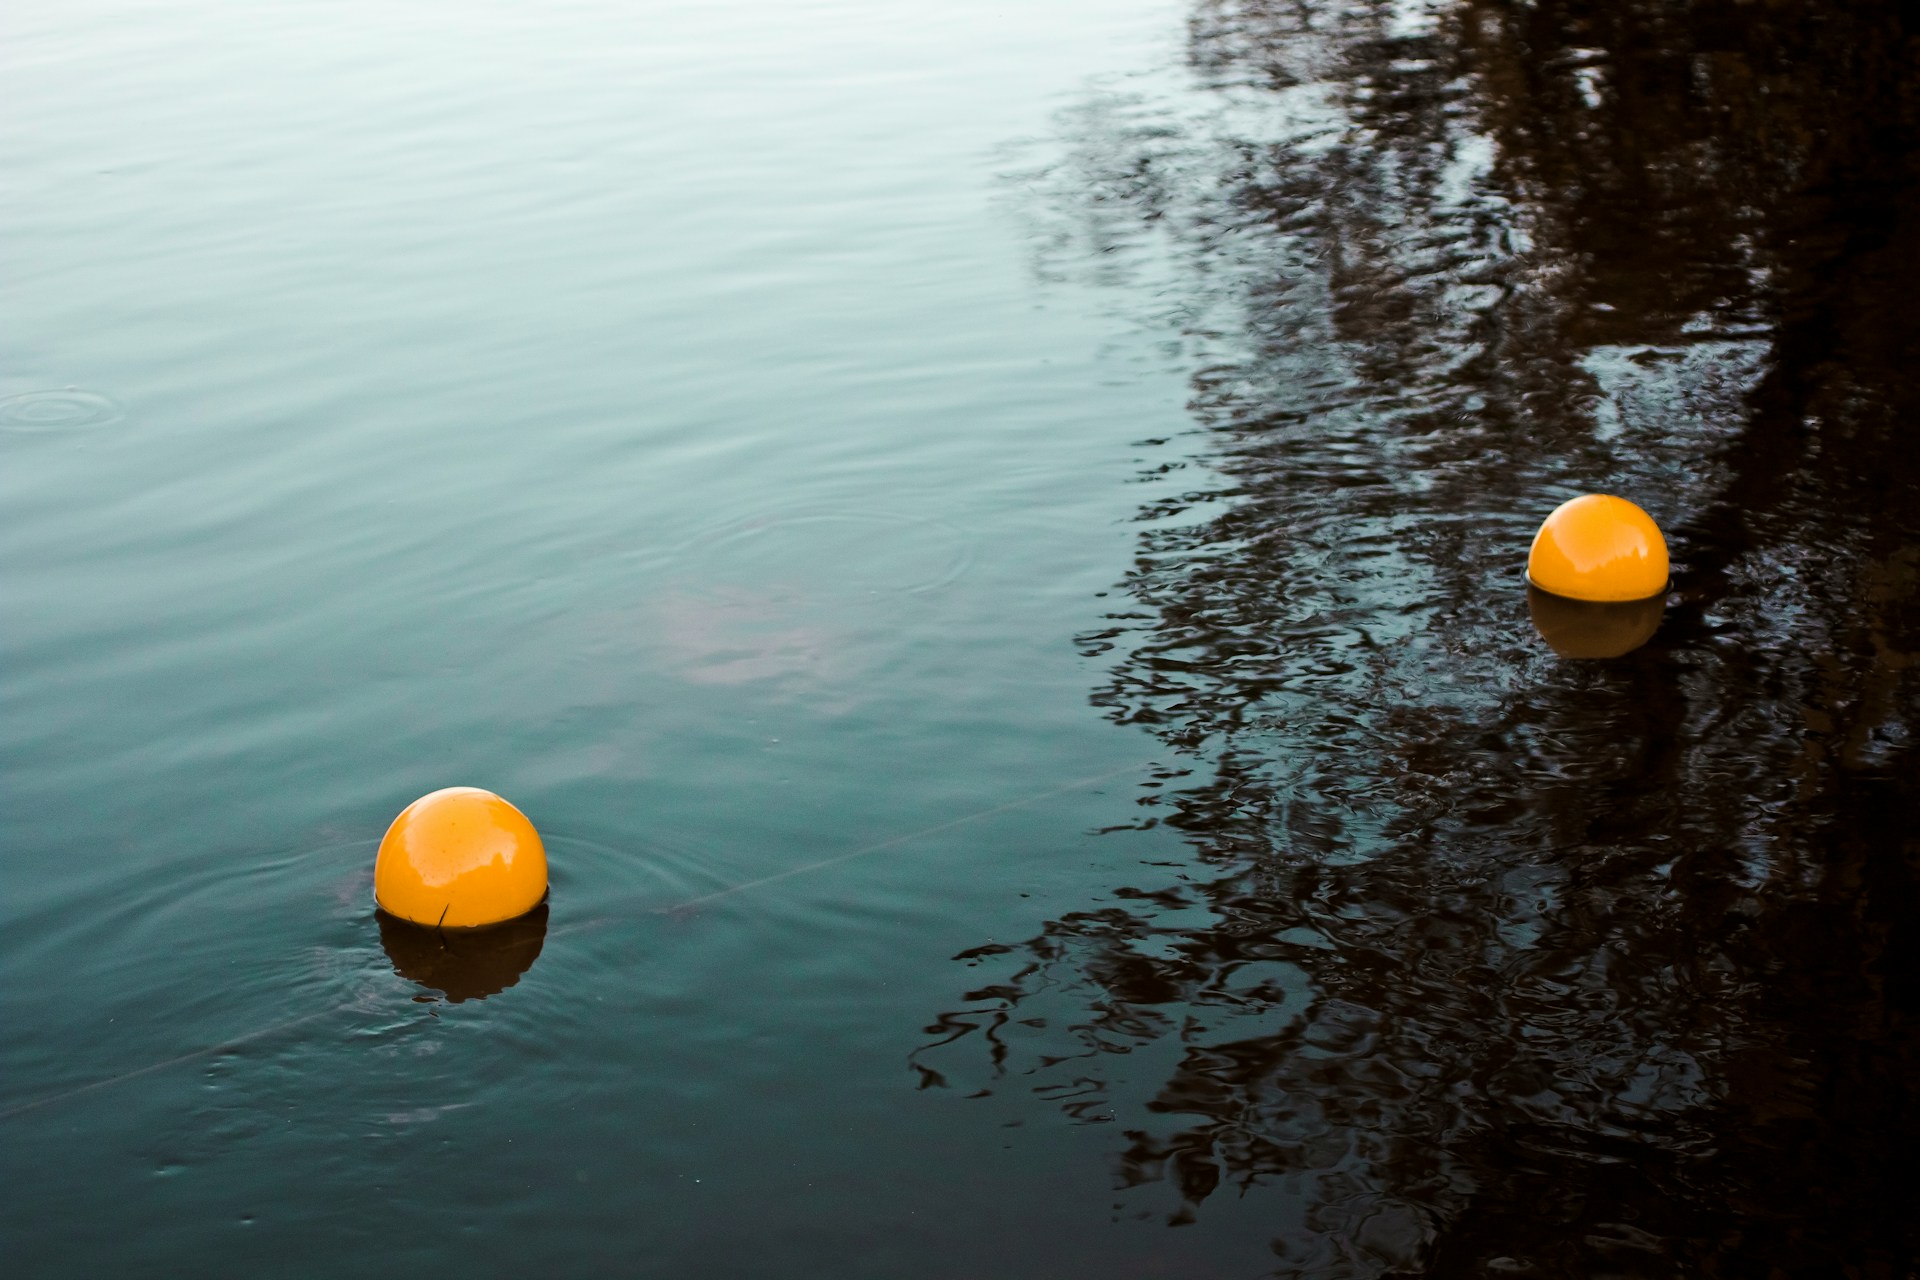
(68, 410)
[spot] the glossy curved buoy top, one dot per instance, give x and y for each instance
(1599, 547)
(458, 858)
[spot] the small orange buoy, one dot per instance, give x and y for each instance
(460, 857)
(1599, 547)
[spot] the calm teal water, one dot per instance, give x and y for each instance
(650, 412)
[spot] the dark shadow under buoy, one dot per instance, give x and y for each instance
(464, 964)
(1593, 628)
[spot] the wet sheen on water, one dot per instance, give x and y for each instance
(1493, 963)
(991, 547)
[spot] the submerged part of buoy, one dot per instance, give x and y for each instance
(458, 858)
(1594, 628)
(465, 964)
(1599, 547)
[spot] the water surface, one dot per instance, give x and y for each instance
(990, 544)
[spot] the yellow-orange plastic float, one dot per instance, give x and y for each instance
(1599, 547)
(459, 858)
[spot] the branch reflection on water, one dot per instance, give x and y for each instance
(1490, 961)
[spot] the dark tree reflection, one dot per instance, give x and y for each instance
(1492, 962)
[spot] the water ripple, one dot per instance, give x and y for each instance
(49, 411)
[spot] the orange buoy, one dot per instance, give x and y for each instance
(460, 857)
(1599, 547)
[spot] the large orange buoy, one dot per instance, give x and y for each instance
(460, 857)
(1599, 547)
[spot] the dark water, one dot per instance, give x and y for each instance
(749, 436)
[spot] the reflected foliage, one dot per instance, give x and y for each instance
(1489, 962)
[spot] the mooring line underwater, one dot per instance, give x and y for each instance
(234, 1042)
(864, 851)
(892, 842)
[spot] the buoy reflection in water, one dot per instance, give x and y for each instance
(464, 964)
(1594, 628)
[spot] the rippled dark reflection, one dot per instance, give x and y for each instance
(1492, 962)
(465, 964)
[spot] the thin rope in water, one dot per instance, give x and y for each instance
(289, 1024)
(892, 842)
(683, 908)
(48, 1100)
